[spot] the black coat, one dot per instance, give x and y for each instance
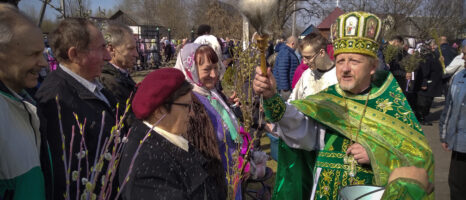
(162, 170)
(73, 98)
(115, 81)
(429, 75)
(121, 86)
(398, 72)
(448, 53)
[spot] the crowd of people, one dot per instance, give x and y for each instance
(154, 54)
(345, 111)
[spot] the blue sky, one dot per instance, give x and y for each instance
(27, 5)
(51, 13)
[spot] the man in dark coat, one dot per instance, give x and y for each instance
(429, 81)
(169, 165)
(395, 68)
(115, 76)
(80, 48)
(285, 66)
(448, 52)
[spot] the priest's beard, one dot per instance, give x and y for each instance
(347, 87)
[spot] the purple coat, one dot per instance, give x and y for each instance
(219, 129)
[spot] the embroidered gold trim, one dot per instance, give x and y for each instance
(341, 167)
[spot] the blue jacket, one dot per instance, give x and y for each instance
(285, 65)
(452, 122)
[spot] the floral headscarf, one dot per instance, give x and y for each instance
(185, 62)
(212, 41)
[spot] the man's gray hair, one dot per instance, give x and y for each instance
(115, 33)
(9, 16)
(5, 35)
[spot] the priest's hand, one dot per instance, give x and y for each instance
(359, 153)
(264, 84)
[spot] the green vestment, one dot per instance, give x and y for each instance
(389, 132)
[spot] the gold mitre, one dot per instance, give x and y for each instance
(356, 32)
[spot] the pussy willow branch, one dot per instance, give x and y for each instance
(245, 62)
(70, 161)
(118, 146)
(60, 124)
(116, 153)
(98, 147)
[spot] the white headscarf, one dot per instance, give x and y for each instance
(213, 42)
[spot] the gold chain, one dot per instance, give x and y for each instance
(350, 159)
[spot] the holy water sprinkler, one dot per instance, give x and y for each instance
(259, 14)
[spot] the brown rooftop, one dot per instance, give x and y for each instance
(328, 21)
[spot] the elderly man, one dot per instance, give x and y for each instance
(115, 76)
(21, 59)
(369, 136)
(173, 159)
(452, 127)
(81, 50)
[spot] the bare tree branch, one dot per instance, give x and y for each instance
(57, 8)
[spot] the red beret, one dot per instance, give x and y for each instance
(154, 89)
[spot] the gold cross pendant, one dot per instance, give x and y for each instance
(349, 160)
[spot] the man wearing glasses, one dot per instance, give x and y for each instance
(321, 73)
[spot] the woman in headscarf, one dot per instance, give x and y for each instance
(213, 42)
(200, 65)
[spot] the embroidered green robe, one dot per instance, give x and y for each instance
(390, 133)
